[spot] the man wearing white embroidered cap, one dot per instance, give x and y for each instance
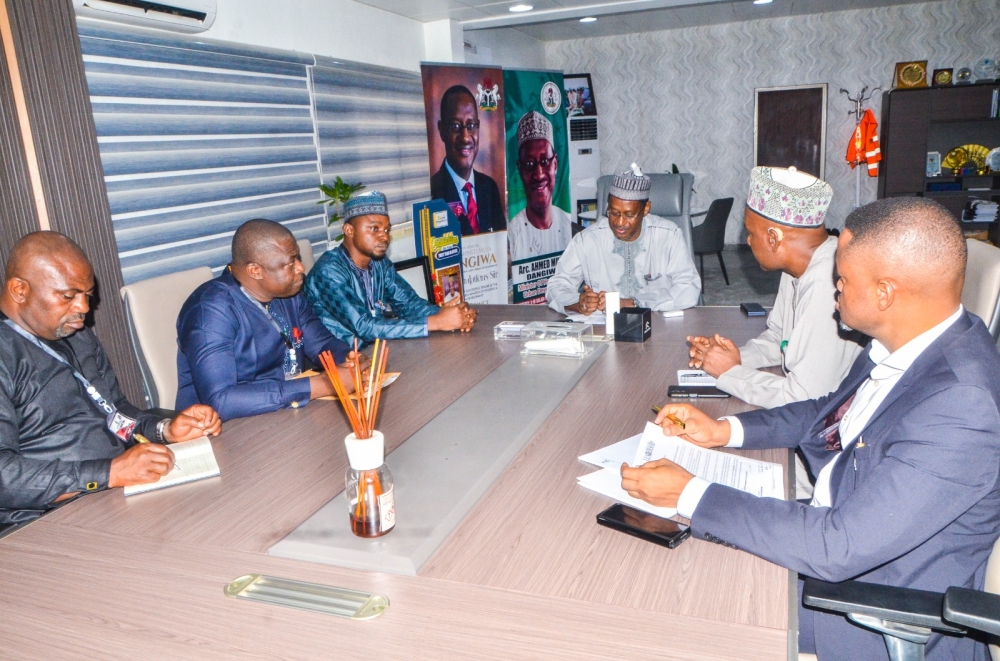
(641, 256)
(540, 228)
(785, 214)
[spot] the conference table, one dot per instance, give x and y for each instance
(527, 573)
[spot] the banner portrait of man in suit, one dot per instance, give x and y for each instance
(465, 136)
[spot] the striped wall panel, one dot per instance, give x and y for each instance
(370, 128)
(197, 137)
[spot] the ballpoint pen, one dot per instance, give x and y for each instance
(139, 438)
(671, 417)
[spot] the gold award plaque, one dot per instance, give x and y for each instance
(941, 77)
(911, 74)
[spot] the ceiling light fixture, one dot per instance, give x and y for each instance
(588, 19)
(520, 8)
(762, 2)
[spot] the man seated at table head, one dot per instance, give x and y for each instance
(907, 448)
(457, 181)
(540, 228)
(630, 251)
(243, 337)
(357, 293)
(65, 426)
(784, 219)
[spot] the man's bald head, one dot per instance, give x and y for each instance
(914, 238)
(254, 241)
(47, 286)
(38, 249)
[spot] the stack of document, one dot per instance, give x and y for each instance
(980, 211)
(695, 378)
(760, 478)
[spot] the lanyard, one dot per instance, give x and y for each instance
(106, 406)
(292, 367)
(270, 318)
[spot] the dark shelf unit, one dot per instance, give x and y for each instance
(931, 119)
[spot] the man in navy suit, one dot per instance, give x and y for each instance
(907, 449)
(457, 181)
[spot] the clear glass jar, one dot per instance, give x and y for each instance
(368, 483)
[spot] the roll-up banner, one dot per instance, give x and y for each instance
(464, 108)
(538, 195)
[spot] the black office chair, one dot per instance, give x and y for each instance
(710, 236)
(906, 617)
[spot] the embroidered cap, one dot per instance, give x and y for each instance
(789, 197)
(372, 203)
(631, 185)
(533, 126)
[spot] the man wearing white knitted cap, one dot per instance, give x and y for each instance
(785, 215)
(541, 228)
(641, 256)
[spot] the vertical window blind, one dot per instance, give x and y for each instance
(198, 136)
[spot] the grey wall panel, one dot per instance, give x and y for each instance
(48, 51)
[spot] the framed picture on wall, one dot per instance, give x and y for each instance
(579, 94)
(790, 128)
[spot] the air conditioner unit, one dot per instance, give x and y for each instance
(584, 161)
(174, 15)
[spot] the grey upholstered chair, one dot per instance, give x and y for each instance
(670, 196)
(306, 254)
(710, 236)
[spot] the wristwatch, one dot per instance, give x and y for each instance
(160, 426)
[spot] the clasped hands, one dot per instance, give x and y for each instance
(661, 482)
(591, 301)
(715, 355)
(147, 462)
(453, 316)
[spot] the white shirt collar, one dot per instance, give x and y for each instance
(459, 182)
(889, 364)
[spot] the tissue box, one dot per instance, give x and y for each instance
(633, 325)
(557, 338)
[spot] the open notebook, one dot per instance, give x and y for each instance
(193, 460)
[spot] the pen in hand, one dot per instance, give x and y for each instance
(139, 438)
(671, 417)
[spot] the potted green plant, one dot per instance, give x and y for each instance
(334, 197)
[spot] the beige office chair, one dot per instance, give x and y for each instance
(151, 309)
(982, 285)
(306, 254)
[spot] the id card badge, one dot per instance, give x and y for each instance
(121, 425)
(292, 366)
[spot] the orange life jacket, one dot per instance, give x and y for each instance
(863, 147)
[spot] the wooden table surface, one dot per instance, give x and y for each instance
(528, 573)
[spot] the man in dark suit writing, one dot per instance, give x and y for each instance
(457, 181)
(907, 449)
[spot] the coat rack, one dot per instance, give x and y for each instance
(858, 100)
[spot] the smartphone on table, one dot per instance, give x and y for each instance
(643, 525)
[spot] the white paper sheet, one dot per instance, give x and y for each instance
(193, 460)
(608, 482)
(760, 478)
(695, 378)
(613, 456)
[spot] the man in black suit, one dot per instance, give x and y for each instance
(456, 181)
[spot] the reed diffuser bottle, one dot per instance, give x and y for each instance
(368, 483)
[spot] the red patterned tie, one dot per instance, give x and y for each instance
(472, 208)
(831, 425)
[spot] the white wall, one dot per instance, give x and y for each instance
(686, 96)
(337, 28)
(443, 41)
(505, 47)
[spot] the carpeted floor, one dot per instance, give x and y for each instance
(748, 283)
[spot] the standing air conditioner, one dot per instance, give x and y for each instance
(584, 160)
(174, 15)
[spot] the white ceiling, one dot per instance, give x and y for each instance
(552, 20)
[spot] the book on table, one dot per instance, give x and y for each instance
(193, 460)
